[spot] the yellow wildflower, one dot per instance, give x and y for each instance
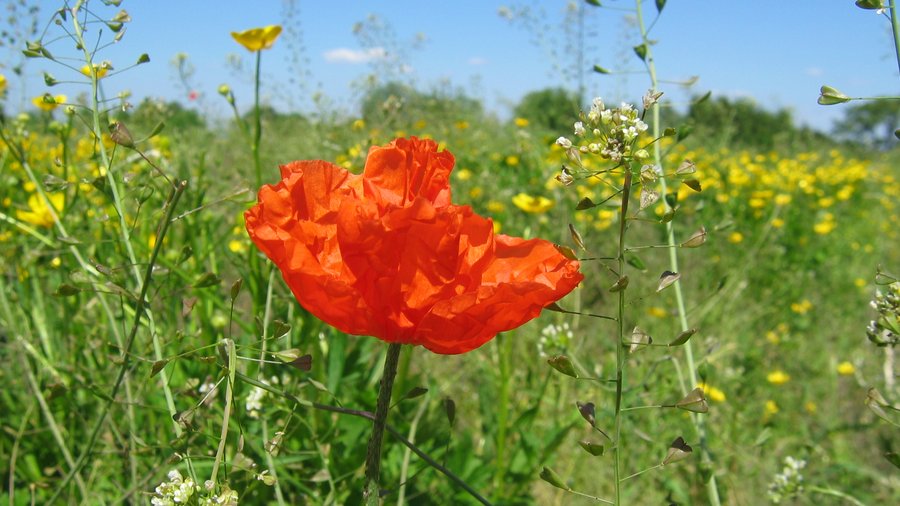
(810, 407)
(713, 393)
(495, 207)
(462, 125)
(38, 214)
(777, 222)
(657, 312)
(100, 70)
(463, 174)
(736, 237)
(236, 246)
(782, 199)
(859, 282)
(773, 337)
(257, 39)
(521, 122)
(496, 227)
(778, 377)
(55, 262)
(48, 102)
(3, 84)
(419, 125)
(512, 160)
(531, 204)
(358, 124)
(476, 192)
(771, 408)
(846, 368)
(801, 307)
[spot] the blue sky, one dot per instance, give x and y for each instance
(777, 52)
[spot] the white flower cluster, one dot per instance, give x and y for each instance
(554, 339)
(175, 491)
(789, 482)
(180, 490)
(607, 132)
(885, 329)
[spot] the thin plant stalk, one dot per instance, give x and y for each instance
(711, 486)
(163, 228)
(895, 28)
(228, 345)
(267, 316)
(257, 122)
(620, 339)
(373, 453)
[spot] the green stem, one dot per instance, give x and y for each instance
(895, 27)
(369, 416)
(837, 493)
(712, 488)
(620, 347)
(228, 345)
(257, 123)
(373, 454)
(126, 351)
(504, 352)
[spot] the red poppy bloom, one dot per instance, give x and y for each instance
(386, 254)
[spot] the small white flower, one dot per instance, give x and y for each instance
(579, 128)
(566, 143)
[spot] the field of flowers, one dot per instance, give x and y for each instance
(156, 352)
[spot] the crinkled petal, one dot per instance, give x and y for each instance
(408, 168)
(523, 278)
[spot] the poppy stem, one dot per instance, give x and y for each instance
(373, 454)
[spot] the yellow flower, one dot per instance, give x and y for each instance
(713, 393)
(462, 125)
(48, 102)
(736, 237)
(358, 124)
(778, 377)
(773, 337)
(782, 199)
(824, 227)
(777, 222)
(496, 227)
(100, 70)
(771, 408)
(476, 192)
(859, 282)
(657, 312)
(55, 262)
(512, 160)
(2, 83)
(521, 122)
(38, 214)
(846, 368)
(257, 39)
(236, 246)
(463, 174)
(810, 407)
(495, 207)
(801, 307)
(531, 204)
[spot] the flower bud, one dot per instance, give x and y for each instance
(641, 155)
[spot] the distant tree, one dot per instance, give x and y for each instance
(743, 122)
(550, 108)
(397, 105)
(870, 122)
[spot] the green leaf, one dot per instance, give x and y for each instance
(870, 4)
(595, 3)
(635, 261)
(66, 290)
(236, 288)
(206, 280)
(893, 458)
(49, 80)
(562, 364)
(831, 96)
(660, 4)
(158, 366)
(595, 449)
(450, 409)
(587, 203)
(550, 476)
(415, 392)
(641, 51)
(600, 70)
(143, 58)
(683, 337)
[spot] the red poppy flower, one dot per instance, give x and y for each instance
(386, 254)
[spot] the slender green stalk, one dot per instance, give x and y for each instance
(267, 316)
(620, 339)
(504, 352)
(373, 453)
(257, 122)
(14, 454)
(171, 203)
(837, 493)
(895, 27)
(404, 467)
(228, 345)
(712, 488)
(370, 416)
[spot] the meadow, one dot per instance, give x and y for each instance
(155, 356)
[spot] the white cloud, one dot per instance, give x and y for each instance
(813, 71)
(344, 55)
(477, 60)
